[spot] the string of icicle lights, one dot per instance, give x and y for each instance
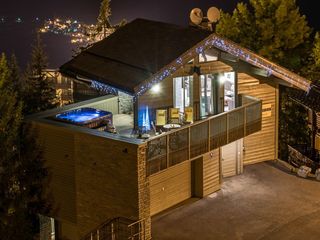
(222, 44)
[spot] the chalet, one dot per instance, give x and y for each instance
(184, 109)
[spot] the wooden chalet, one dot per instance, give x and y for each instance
(189, 108)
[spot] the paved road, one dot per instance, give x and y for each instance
(261, 204)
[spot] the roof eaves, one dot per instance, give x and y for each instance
(232, 48)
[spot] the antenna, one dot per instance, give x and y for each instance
(196, 16)
(213, 14)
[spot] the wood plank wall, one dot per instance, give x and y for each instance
(211, 172)
(106, 179)
(58, 148)
(158, 100)
(170, 187)
(110, 105)
(261, 146)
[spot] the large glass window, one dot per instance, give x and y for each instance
(207, 95)
(217, 93)
(183, 92)
(229, 91)
(208, 55)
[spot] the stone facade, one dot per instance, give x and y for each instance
(144, 191)
(125, 103)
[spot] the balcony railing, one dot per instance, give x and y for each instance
(191, 141)
(118, 229)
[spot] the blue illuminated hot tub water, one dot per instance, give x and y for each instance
(84, 116)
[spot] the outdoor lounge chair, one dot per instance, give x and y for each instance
(161, 117)
(188, 114)
(174, 116)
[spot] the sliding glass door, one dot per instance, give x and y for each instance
(183, 92)
(207, 100)
(217, 93)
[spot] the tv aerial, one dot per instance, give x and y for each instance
(197, 18)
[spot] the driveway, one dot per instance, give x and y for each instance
(263, 203)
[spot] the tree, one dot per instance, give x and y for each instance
(16, 84)
(103, 21)
(274, 29)
(21, 167)
(311, 68)
(278, 31)
(39, 91)
(104, 26)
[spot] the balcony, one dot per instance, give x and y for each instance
(191, 141)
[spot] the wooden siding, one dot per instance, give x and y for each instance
(58, 145)
(92, 178)
(107, 180)
(261, 146)
(170, 187)
(211, 172)
(214, 67)
(110, 104)
(317, 142)
(163, 99)
(228, 159)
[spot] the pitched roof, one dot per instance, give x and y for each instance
(145, 52)
(134, 53)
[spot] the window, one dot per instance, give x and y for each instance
(217, 93)
(207, 95)
(229, 91)
(183, 92)
(208, 56)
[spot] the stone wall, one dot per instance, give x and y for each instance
(125, 102)
(144, 191)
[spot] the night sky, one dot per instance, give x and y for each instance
(18, 39)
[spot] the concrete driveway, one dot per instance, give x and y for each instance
(262, 203)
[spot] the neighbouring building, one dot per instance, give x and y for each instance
(189, 108)
(307, 154)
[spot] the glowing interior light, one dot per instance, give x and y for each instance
(222, 79)
(156, 88)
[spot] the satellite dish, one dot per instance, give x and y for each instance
(213, 14)
(196, 16)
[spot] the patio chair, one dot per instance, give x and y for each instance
(161, 117)
(188, 114)
(174, 116)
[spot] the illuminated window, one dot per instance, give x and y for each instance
(208, 55)
(183, 92)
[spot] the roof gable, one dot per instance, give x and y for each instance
(144, 52)
(134, 53)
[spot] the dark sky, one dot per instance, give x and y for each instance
(17, 38)
(174, 11)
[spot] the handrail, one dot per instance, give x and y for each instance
(193, 140)
(111, 230)
(206, 119)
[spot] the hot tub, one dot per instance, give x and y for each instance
(87, 117)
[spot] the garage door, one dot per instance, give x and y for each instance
(170, 187)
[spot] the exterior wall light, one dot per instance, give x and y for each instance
(156, 88)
